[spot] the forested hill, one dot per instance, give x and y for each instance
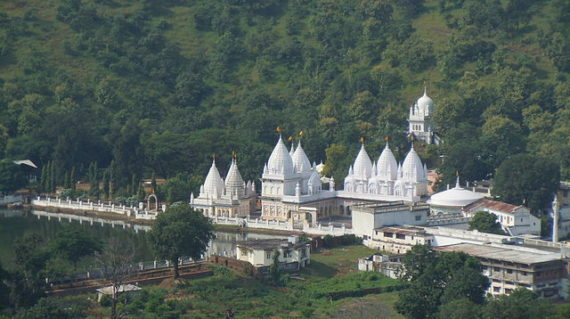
(160, 86)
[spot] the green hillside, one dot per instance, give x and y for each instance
(160, 86)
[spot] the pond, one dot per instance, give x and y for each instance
(16, 223)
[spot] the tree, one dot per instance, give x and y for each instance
(72, 244)
(117, 264)
(460, 309)
(436, 279)
(486, 222)
(526, 179)
(520, 304)
(181, 231)
(11, 176)
(27, 284)
(274, 270)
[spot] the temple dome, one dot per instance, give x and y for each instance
(455, 197)
(412, 169)
(300, 160)
(234, 181)
(362, 164)
(425, 104)
(280, 161)
(387, 165)
(214, 185)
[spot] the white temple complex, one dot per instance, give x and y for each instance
(230, 198)
(292, 187)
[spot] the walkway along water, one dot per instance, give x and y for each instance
(133, 215)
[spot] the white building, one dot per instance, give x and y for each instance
(385, 179)
(399, 239)
(290, 184)
(260, 253)
(370, 217)
(420, 120)
(515, 220)
(230, 198)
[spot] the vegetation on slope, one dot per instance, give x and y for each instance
(145, 86)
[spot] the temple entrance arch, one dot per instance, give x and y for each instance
(149, 201)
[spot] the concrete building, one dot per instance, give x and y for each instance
(399, 240)
(515, 220)
(369, 217)
(292, 253)
(511, 267)
(388, 265)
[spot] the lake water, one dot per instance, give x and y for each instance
(16, 223)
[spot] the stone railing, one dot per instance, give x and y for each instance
(247, 222)
(95, 206)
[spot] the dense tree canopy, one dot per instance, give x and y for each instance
(526, 179)
(437, 279)
(160, 87)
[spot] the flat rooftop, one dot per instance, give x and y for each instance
(269, 244)
(405, 230)
(390, 207)
(502, 253)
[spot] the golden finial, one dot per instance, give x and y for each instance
(361, 139)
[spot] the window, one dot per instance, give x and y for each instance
(418, 217)
(508, 291)
(509, 271)
(496, 289)
(388, 235)
(400, 236)
(268, 255)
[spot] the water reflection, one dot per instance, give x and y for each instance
(16, 223)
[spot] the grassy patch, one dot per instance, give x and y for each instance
(338, 261)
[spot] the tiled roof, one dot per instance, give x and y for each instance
(492, 205)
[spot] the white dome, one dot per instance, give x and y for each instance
(280, 161)
(387, 165)
(213, 186)
(234, 181)
(362, 164)
(300, 160)
(412, 169)
(425, 104)
(455, 197)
